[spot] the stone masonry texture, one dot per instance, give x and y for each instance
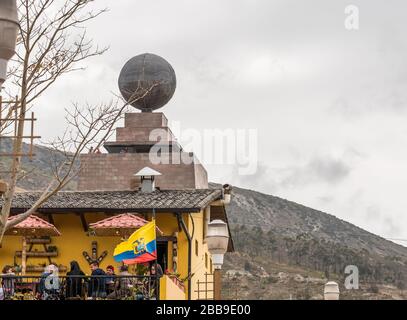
(115, 171)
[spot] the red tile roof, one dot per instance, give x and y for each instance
(33, 223)
(125, 220)
(122, 224)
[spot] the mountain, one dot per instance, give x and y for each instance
(36, 172)
(284, 218)
(283, 249)
(273, 236)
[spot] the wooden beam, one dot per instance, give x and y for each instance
(35, 254)
(50, 219)
(85, 225)
(41, 269)
(39, 241)
(166, 239)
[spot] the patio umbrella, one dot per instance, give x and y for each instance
(33, 226)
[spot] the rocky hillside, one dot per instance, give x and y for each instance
(273, 235)
(285, 218)
(284, 249)
(36, 172)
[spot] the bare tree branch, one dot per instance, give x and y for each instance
(52, 42)
(86, 126)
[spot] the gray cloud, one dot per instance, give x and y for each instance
(325, 199)
(262, 180)
(319, 169)
(286, 67)
(390, 227)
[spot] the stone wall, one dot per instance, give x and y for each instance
(115, 171)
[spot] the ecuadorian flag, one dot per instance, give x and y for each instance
(139, 248)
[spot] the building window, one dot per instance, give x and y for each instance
(206, 260)
(196, 247)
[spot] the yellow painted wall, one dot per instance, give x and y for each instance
(70, 244)
(74, 241)
(169, 290)
(198, 261)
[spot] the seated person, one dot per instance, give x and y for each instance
(123, 285)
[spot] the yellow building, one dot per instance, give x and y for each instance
(180, 215)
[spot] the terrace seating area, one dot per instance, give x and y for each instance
(53, 287)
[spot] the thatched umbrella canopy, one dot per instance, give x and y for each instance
(33, 226)
(121, 225)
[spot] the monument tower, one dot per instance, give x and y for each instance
(147, 82)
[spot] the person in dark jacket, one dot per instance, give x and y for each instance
(97, 283)
(74, 281)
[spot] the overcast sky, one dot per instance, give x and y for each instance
(329, 104)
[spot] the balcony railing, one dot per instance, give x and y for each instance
(54, 287)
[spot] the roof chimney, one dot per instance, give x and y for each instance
(147, 176)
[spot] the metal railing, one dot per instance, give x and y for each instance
(55, 287)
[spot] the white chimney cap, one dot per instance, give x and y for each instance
(146, 171)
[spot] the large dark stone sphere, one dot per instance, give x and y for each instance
(147, 72)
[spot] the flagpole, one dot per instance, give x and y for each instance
(157, 287)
